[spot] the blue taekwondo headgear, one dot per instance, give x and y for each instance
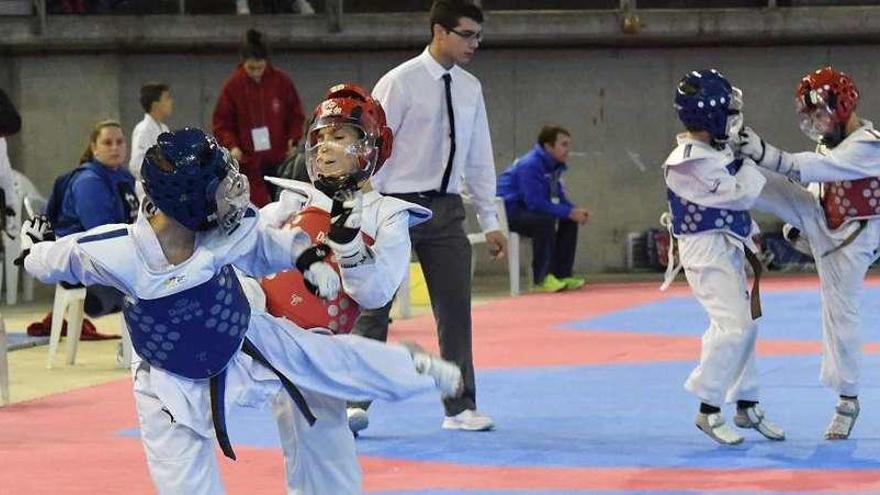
(706, 101)
(194, 180)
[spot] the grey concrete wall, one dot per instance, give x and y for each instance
(616, 102)
(60, 97)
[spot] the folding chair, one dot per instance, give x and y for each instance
(33, 206)
(512, 246)
(513, 268)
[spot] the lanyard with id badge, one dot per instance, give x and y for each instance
(260, 138)
(260, 135)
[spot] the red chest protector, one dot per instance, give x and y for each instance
(288, 297)
(850, 200)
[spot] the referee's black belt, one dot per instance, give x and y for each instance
(422, 195)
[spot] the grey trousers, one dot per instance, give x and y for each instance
(444, 252)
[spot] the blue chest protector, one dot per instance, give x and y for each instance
(691, 218)
(193, 333)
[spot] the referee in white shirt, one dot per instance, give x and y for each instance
(157, 104)
(441, 144)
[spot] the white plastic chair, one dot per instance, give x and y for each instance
(124, 360)
(33, 206)
(32, 203)
(11, 246)
(403, 294)
(68, 305)
(4, 366)
(11, 250)
(512, 246)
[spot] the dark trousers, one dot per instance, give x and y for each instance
(444, 252)
(100, 299)
(554, 242)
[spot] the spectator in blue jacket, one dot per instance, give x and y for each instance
(538, 208)
(101, 191)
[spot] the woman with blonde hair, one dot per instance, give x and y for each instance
(101, 189)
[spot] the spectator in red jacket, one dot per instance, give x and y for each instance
(258, 116)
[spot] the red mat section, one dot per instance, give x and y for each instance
(518, 332)
(401, 475)
(67, 444)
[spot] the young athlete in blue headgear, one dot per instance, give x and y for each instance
(199, 328)
(710, 193)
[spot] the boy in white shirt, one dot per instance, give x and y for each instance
(158, 105)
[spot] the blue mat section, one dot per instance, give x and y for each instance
(627, 416)
(21, 340)
(609, 416)
(787, 315)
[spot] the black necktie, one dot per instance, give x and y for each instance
(447, 80)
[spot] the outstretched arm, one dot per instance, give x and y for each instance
(51, 261)
(854, 161)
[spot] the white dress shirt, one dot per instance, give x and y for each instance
(142, 138)
(413, 95)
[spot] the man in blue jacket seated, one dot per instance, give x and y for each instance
(538, 207)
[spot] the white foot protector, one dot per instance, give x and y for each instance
(844, 419)
(717, 429)
(753, 417)
(447, 375)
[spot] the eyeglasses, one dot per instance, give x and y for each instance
(469, 36)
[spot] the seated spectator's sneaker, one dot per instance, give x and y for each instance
(714, 425)
(753, 417)
(358, 420)
(446, 375)
(550, 284)
(573, 283)
(845, 415)
(468, 420)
